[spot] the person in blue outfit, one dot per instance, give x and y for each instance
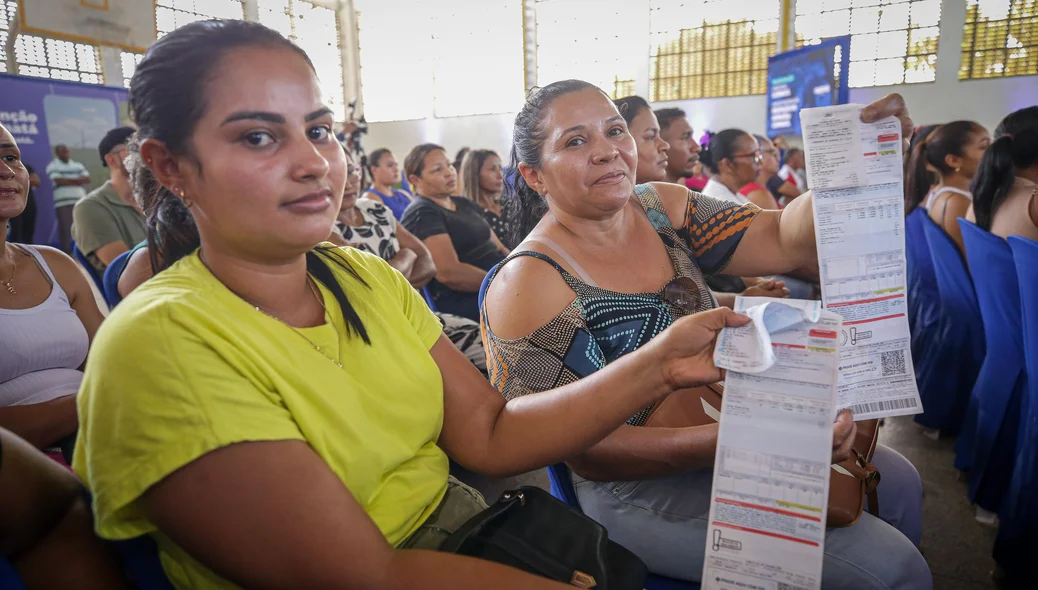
(385, 173)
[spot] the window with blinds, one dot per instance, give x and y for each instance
(43, 57)
(1000, 38)
(892, 41)
(170, 14)
(599, 43)
(315, 29)
(8, 10)
(711, 48)
(128, 63)
(446, 59)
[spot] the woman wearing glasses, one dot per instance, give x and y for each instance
(608, 264)
(768, 187)
(734, 159)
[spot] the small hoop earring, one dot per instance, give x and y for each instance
(957, 169)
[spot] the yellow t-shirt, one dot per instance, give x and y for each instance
(183, 367)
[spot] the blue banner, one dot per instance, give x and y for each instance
(812, 76)
(41, 114)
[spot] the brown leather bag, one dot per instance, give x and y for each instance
(850, 481)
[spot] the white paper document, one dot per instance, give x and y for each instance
(771, 473)
(856, 174)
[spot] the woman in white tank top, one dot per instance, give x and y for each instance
(48, 317)
(954, 150)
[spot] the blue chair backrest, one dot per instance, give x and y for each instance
(562, 484)
(953, 278)
(946, 392)
(917, 254)
(82, 259)
(998, 292)
(1025, 256)
(111, 279)
(987, 443)
(1016, 545)
(428, 298)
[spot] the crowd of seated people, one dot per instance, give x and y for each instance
(273, 410)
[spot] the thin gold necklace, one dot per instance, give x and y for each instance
(14, 270)
(320, 299)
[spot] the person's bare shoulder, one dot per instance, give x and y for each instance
(136, 271)
(526, 294)
(66, 270)
(675, 200)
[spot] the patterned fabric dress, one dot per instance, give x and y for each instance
(600, 325)
(377, 235)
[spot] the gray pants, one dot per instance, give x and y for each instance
(664, 521)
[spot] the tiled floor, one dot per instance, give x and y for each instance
(956, 546)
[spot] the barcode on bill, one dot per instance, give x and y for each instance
(883, 406)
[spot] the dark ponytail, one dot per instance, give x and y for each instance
(1015, 147)
(946, 140)
(918, 178)
(522, 206)
(723, 145)
(167, 99)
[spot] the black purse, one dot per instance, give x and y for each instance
(530, 530)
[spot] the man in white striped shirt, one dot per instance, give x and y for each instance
(69, 178)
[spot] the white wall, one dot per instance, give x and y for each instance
(478, 131)
(946, 99)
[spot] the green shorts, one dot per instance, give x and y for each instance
(459, 504)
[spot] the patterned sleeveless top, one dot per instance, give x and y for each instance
(600, 325)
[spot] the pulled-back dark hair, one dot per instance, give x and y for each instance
(471, 166)
(414, 163)
(947, 140)
(167, 99)
(630, 106)
(522, 206)
(669, 115)
(722, 146)
(375, 156)
(1015, 147)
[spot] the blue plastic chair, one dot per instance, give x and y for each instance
(987, 443)
(82, 259)
(958, 348)
(562, 488)
(924, 307)
(1017, 544)
(428, 298)
(110, 282)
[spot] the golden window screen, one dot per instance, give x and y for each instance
(1000, 38)
(711, 48)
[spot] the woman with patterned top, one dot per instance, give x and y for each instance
(370, 226)
(587, 287)
(482, 183)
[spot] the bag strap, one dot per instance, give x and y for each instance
(873, 498)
